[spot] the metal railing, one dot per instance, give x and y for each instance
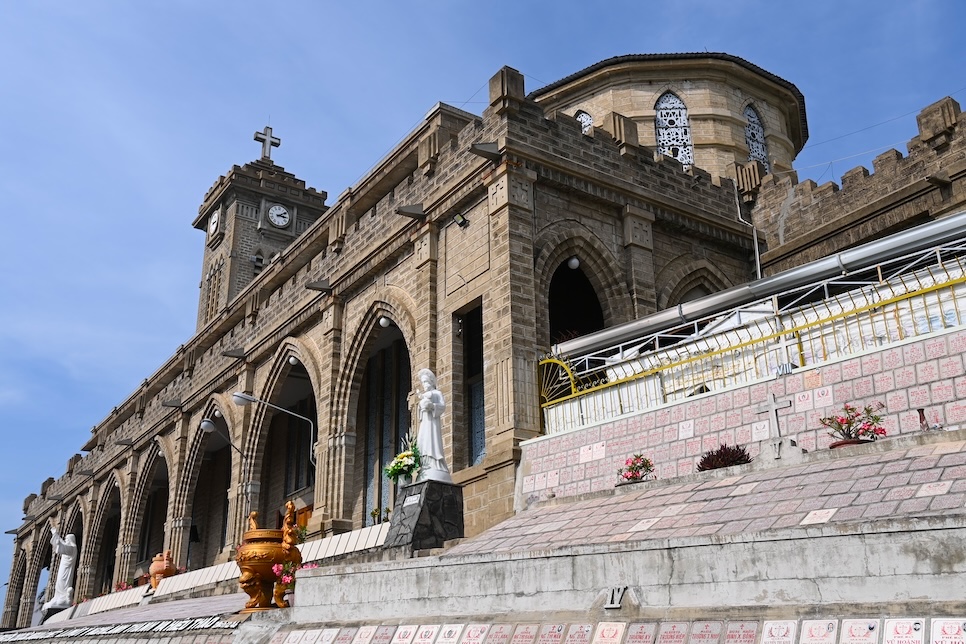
(855, 312)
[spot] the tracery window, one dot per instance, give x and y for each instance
(755, 138)
(586, 121)
(672, 129)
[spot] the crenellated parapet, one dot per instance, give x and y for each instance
(800, 222)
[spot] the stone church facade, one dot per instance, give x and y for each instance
(476, 244)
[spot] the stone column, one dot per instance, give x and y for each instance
(639, 255)
(176, 539)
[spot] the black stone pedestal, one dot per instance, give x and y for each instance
(426, 514)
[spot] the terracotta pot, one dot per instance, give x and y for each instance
(260, 550)
(846, 442)
(161, 566)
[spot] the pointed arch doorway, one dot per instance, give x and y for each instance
(574, 307)
(382, 420)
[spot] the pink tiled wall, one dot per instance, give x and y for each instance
(923, 374)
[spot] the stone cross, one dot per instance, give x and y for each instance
(268, 141)
(771, 408)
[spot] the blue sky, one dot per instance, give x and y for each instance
(117, 116)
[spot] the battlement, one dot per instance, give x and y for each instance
(804, 221)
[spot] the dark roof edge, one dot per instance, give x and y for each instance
(635, 58)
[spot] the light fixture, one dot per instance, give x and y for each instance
(573, 263)
(414, 211)
(207, 425)
(322, 286)
(384, 322)
(486, 150)
(85, 472)
(10, 532)
(217, 413)
(29, 517)
(125, 441)
(55, 497)
(292, 360)
(241, 399)
(173, 402)
(460, 220)
(237, 352)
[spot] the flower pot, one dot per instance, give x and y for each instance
(846, 442)
(161, 566)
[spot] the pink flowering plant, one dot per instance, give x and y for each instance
(285, 572)
(853, 423)
(636, 468)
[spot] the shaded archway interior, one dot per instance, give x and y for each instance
(573, 304)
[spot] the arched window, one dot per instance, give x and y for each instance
(672, 129)
(755, 138)
(586, 121)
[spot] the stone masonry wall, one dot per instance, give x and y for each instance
(802, 222)
(926, 374)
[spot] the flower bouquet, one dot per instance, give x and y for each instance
(406, 462)
(636, 468)
(856, 424)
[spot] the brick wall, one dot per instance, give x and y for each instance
(925, 374)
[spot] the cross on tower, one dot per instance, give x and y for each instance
(268, 142)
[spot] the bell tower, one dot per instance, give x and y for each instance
(250, 215)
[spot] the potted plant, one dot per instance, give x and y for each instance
(285, 572)
(724, 456)
(854, 425)
(406, 463)
(636, 468)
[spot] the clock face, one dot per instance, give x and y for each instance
(213, 223)
(278, 215)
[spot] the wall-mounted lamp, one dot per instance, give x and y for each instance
(208, 426)
(384, 322)
(237, 352)
(486, 150)
(414, 211)
(322, 286)
(55, 497)
(241, 399)
(127, 442)
(172, 402)
(29, 517)
(217, 414)
(10, 532)
(292, 360)
(85, 472)
(573, 263)
(460, 220)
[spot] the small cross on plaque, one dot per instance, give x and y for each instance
(268, 142)
(771, 408)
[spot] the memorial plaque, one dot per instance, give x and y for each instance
(553, 478)
(327, 636)
(405, 634)
(426, 634)
(525, 634)
(279, 638)
(450, 633)
(904, 631)
(823, 397)
(859, 631)
(705, 633)
(294, 637)
(803, 402)
(346, 635)
(600, 450)
(819, 631)
(948, 631)
(609, 633)
(383, 635)
(365, 634)
(778, 632)
(551, 634)
(579, 634)
(641, 633)
(741, 632)
(528, 483)
(672, 633)
(586, 453)
(475, 634)
(685, 429)
(761, 430)
(499, 634)
(310, 636)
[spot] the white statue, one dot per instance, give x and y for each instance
(429, 438)
(64, 586)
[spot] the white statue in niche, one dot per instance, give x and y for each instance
(66, 547)
(429, 437)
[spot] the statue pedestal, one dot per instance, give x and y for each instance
(426, 514)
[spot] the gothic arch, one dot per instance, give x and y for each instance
(306, 354)
(564, 239)
(92, 547)
(185, 487)
(18, 576)
(37, 559)
(393, 303)
(672, 128)
(685, 273)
